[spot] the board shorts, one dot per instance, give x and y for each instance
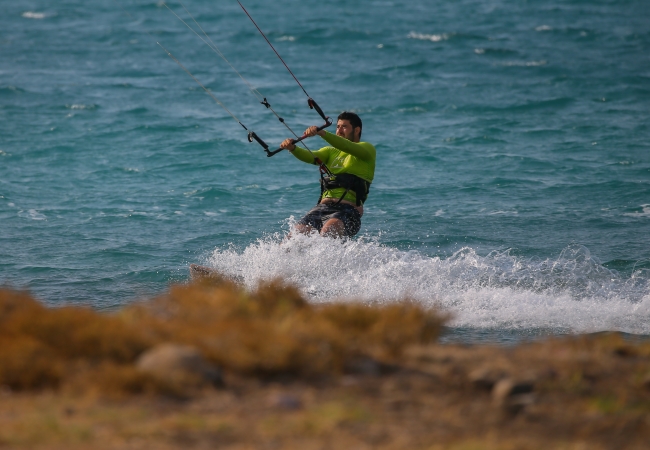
(323, 212)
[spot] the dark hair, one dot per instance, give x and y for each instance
(354, 120)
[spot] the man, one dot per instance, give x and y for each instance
(352, 164)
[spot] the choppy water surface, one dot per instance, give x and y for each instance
(513, 175)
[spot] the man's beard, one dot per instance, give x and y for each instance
(350, 136)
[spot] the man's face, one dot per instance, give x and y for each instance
(344, 129)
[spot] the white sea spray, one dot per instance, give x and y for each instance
(571, 293)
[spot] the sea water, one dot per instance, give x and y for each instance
(513, 172)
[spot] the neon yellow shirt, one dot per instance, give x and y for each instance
(342, 156)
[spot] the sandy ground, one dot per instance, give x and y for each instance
(583, 393)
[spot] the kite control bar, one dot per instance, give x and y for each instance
(312, 105)
(293, 141)
(252, 136)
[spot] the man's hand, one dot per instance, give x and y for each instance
(288, 145)
(313, 131)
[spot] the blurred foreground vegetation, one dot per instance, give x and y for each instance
(211, 365)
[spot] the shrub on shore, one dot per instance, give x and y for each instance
(270, 331)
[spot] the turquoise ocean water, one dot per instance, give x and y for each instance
(513, 175)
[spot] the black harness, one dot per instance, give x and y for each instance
(347, 181)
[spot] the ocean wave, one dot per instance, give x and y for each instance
(34, 15)
(416, 109)
(32, 214)
(429, 37)
(81, 106)
(553, 103)
(571, 293)
(11, 90)
(495, 51)
(645, 212)
(542, 62)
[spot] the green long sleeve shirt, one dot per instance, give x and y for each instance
(342, 156)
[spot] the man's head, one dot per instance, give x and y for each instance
(349, 126)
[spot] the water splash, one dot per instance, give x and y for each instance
(571, 293)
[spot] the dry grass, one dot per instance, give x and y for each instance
(42, 346)
(300, 376)
(270, 331)
(274, 331)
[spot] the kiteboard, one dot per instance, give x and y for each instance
(197, 272)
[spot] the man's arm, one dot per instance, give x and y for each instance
(364, 151)
(360, 150)
(309, 157)
(305, 155)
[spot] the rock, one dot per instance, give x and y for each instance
(625, 351)
(485, 379)
(363, 366)
(513, 396)
(179, 363)
(517, 403)
(285, 401)
(508, 387)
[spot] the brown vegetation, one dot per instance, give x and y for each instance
(271, 331)
(212, 365)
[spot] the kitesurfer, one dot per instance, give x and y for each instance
(351, 167)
